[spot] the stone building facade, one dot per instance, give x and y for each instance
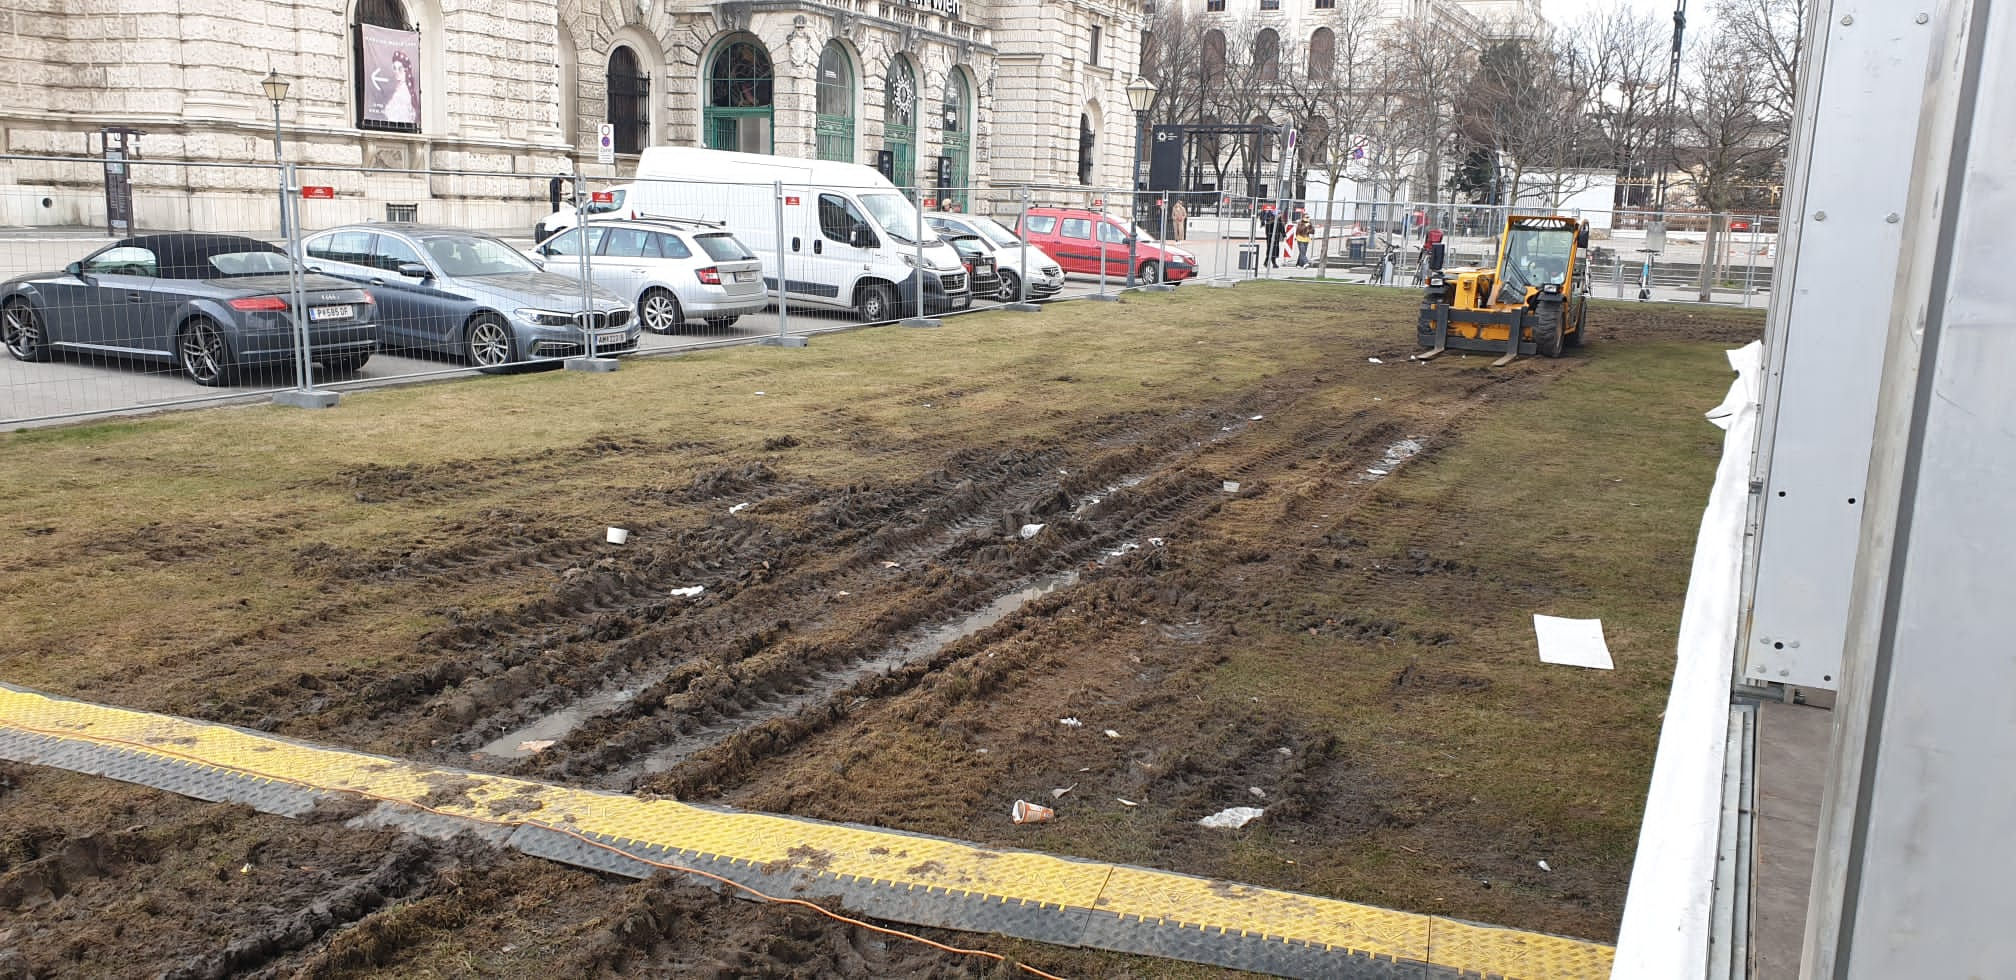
(512, 92)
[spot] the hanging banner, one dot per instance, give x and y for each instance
(391, 76)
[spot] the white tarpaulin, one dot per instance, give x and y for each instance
(1573, 642)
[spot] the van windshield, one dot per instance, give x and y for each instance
(896, 215)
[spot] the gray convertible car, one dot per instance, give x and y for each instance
(216, 305)
(467, 293)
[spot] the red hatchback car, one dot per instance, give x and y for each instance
(1082, 240)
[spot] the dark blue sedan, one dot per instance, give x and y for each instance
(215, 305)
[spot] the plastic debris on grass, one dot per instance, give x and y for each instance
(1232, 818)
(1031, 530)
(1070, 723)
(738, 508)
(1026, 812)
(688, 592)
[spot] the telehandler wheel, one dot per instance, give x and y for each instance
(1581, 324)
(1547, 329)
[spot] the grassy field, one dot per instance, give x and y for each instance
(422, 569)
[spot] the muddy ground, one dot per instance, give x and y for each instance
(1342, 640)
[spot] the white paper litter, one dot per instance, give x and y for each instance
(1572, 642)
(1031, 530)
(738, 508)
(1231, 486)
(688, 592)
(1257, 791)
(1375, 471)
(618, 535)
(842, 595)
(1110, 733)
(1126, 802)
(760, 394)
(1070, 723)
(1234, 818)
(1375, 360)
(1058, 794)
(1256, 418)
(892, 564)
(1157, 542)
(1544, 867)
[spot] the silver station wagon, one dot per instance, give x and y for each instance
(671, 270)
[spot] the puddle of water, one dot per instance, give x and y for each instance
(823, 686)
(554, 726)
(1094, 500)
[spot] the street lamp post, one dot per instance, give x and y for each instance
(276, 90)
(1140, 96)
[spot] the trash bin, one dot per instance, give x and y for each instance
(1249, 256)
(1354, 249)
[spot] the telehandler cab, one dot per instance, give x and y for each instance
(1535, 302)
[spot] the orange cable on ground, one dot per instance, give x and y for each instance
(583, 838)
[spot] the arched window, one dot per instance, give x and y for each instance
(388, 67)
(1267, 55)
(1214, 57)
(1322, 54)
(629, 101)
(899, 121)
(835, 125)
(739, 96)
(956, 115)
(1086, 139)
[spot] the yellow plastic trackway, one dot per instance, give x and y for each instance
(1037, 895)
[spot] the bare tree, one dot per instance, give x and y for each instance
(1767, 34)
(1732, 146)
(1426, 66)
(1524, 107)
(1626, 53)
(1333, 91)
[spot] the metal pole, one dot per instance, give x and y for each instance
(1133, 194)
(587, 285)
(1750, 267)
(1101, 247)
(1252, 221)
(917, 317)
(279, 167)
(1162, 268)
(783, 338)
(1022, 304)
(304, 396)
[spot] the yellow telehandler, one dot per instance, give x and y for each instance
(1535, 302)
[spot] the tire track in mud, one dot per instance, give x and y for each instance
(728, 714)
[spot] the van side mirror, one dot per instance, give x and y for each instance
(862, 238)
(414, 270)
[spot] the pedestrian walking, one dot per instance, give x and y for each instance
(1305, 232)
(1277, 228)
(1179, 218)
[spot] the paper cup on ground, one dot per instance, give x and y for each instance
(1027, 812)
(618, 535)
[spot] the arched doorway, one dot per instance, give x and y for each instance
(899, 121)
(629, 101)
(740, 93)
(956, 115)
(834, 126)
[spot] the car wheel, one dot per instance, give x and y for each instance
(722, 322)
(874, 303)
(1011, 287)
(489, 343)
(660, 311)
(203, 354)
(22, 327)
(1148, 272)
(347, 364)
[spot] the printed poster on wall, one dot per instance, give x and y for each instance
(391, 76)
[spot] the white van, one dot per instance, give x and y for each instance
(850, 236)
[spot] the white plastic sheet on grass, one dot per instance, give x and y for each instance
(1572, 642)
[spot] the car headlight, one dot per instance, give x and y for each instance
(546, 318)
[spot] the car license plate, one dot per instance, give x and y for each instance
(608, 336)
(343, 312)
(749, 276)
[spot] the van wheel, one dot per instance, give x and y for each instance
(873, 303)
(660, 311)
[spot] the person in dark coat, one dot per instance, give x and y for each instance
(1277, 228)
